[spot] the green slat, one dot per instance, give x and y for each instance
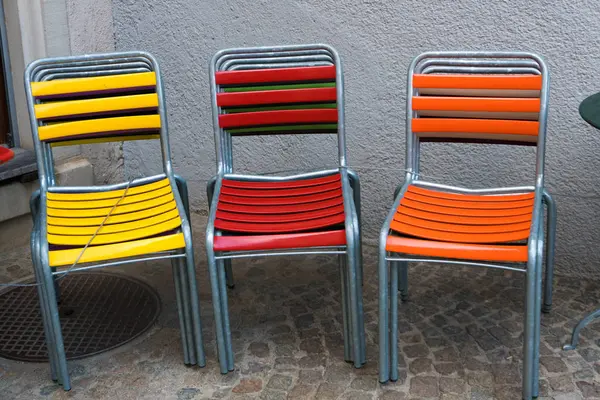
(288, 107)
(283, 128)
(279, 87)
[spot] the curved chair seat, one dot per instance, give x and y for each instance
(258, 215)
(434, 223)
(145, 221)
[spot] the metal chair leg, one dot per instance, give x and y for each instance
(355, 185)
(194, 303)
(550, 246)
(384, 360)
(225, 312)
(184, 317)
(47, 285)
(216, 300)
(210, 190)
(345, 310)
(394, 321)
(529, 332)
(403, 280)
(538, 314)
(48, 334)
(355, 301)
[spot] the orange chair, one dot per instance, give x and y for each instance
(476, 98)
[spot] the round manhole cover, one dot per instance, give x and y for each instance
(98, 312)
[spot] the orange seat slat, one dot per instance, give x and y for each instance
(479, 205)
(458, 251)
(464, 219)
(464, 81)
(461, 228)
(469, 197)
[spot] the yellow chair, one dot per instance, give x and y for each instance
(95, 99)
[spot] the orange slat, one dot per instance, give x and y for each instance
(469, 197)
(459, 237)
(439, 125)
(439, 103)
(458, 251)
(461, 228)
(496, 205)
(464, 81)
(486, 213)
(465, 220)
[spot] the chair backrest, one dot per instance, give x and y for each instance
(94, 99)
(276, 90)
(476, 97)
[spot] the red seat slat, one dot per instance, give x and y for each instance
(285, 241)
(280, 184)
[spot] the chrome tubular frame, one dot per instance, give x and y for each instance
(472, 62)
(350, 256)
(183, 261)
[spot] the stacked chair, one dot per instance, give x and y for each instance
(282, 90)
(476, 98)
(95, 99)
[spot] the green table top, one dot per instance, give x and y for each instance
(589, 109)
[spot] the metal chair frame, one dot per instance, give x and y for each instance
(182, 260)
(350, 259)
(472, 63)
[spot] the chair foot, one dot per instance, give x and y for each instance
(546, 308)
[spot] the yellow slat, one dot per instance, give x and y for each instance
(89, 204)
(125, 138)
(59, 258)
(94, 84)
(129, 123)
(101, 212)
(108, 195)
(91, 106)
(118, 237)
(113, 219)
(113, 228)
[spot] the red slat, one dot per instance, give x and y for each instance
(275, 75)
(281, 209)
(268, 218)
(276, 97)
(272, 201)
(281, 192)
(299, 226)
(287, 241)
(281, 184)
(277, 117)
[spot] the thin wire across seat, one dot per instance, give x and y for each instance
(472, 97)
(281, 91)
(94, 99)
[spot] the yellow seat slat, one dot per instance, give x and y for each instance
(92, 106)
(89, 204)
(113, 228)
(112, 194)
(119, 124)
(117, 237)
(113, 219)
(125, 138)
(102, 212)
(93, 84)
(59, 258)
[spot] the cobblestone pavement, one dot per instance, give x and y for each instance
(460, 338)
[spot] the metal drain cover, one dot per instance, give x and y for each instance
(98, 312)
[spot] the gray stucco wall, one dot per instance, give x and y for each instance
(377, 40)
(90, 25)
